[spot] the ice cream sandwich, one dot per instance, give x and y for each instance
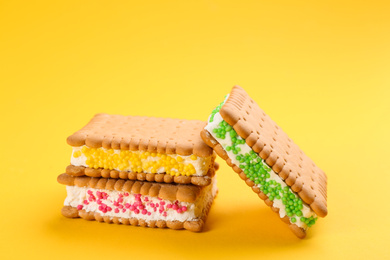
(138, 203)
(268, 161)
(142, 148)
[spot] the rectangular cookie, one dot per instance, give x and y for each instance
(143, 148)
(138, 203)
(267, 160)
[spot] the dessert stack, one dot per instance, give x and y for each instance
(145, 171)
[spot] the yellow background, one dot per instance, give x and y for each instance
(320, 69)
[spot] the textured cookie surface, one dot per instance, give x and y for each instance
(151, 177)
(160, 135)
(273, 145)
(184, 193)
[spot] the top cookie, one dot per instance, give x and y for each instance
(155, 135)
(274, 146)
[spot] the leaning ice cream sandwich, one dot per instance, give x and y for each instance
(142, 148)
(147, 204)
(267, 160)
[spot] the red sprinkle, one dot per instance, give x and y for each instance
(165, 214)
(109, 208)
(178, 210)
(127, 205)
(89, 192)
(184, 208)
(116, 210)
(120, 206)
(175, 207)
(141, 207)
(126, 194)
(144, 212)
(136, 211)
(120, 199)
(100, 208)
(79, 207)
(123, 210)
(99, 201)
(169, 206)
(146, 199)
(132, 208)
(162, 203)
(86, 202)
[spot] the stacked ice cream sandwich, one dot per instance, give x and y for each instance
(145, 171)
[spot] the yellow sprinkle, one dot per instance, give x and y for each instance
(77, 154)
(193, 157)
(179, 159)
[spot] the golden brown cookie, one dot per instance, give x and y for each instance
(268, 160)
(148, 134)
(152, 177)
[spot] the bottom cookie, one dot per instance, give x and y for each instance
(123, 207)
